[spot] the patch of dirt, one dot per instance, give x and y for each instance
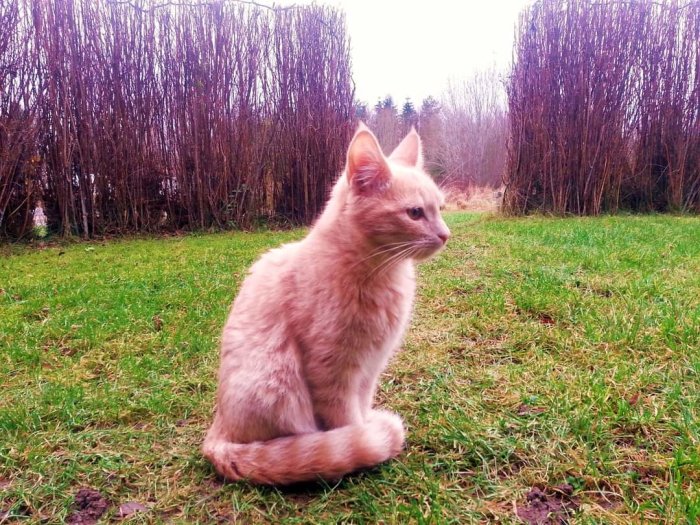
(63, 344)
(131, 507)
(464, 477)
(633, 399)
(647, 474)
(424, 448)
(607, 501)
(529, 410)
(635, 435)
(463, 292)
(40, 315)
(214, 483)
(89, 505)
(595, 289)
(510, 469)
(601, 292)
(545, 318)
(548, 505)
(496, 510)
(624, 441)
(304, 492)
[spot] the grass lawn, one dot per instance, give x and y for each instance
(553, 365)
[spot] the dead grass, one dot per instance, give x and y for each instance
(474, 199)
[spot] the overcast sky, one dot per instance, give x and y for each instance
(411, 49)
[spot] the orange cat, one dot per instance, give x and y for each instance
(316, 322)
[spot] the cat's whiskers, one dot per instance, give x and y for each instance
(384, 250)
(408, 249)
(415, 246)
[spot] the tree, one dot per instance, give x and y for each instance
(361, 111)
(409, 117)
(430, 129)
(473, 147)
(385, 123)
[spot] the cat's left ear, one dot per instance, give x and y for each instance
(409, 151)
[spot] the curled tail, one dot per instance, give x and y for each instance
(306, 457)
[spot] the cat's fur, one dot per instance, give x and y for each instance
(316, 322)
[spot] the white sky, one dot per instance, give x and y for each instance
(411, 49)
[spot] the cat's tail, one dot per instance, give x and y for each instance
(306, 457)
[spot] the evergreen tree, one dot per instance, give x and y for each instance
(430, 129)
(388, 103)
(361, 111)
(409, 116)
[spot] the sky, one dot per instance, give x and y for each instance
(411, 49)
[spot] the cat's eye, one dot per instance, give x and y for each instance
(416, 213)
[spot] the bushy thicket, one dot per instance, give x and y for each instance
(134, 116)
(604, 107)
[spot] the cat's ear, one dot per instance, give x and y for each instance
(366, 169)
(361, 126)
(409, 151)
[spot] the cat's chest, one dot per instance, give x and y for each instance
(375, 317)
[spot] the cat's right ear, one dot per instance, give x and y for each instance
(366, 168)
(409, 151)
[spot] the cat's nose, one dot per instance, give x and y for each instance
(442, 231)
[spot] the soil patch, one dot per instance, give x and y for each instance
(529, 410)
(131, 507)
(548, 505)
(89, 505)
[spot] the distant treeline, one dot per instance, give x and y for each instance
(604, 107)
(463, 132)
(129, 117)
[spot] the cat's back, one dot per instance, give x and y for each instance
(276, 259)
(267, 276)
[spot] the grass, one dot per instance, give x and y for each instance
(542, 352)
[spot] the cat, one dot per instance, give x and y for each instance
(316, 321)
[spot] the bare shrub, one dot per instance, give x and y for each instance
(165, 116)
(473, 146)
(386, 124)
(18, 131)
(603, 107)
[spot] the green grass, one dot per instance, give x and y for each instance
(542, 352)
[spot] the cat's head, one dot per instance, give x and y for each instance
(392, 200)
